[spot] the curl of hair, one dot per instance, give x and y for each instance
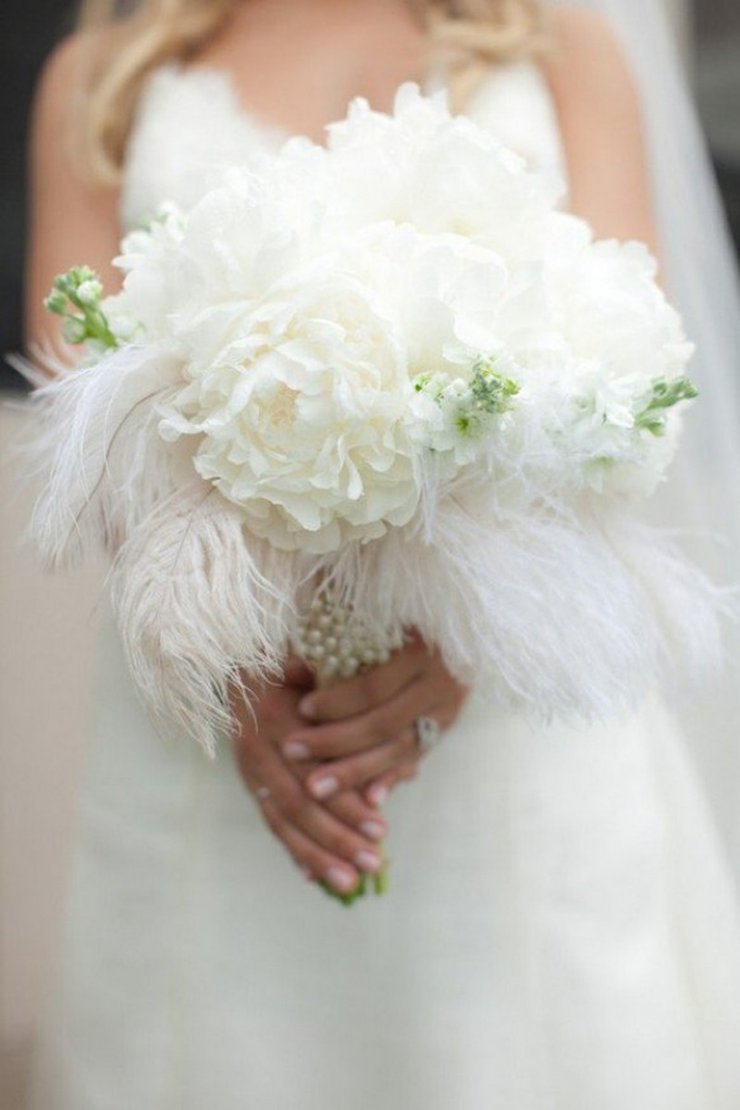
(130, 38)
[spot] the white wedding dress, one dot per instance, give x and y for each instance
(561, 932)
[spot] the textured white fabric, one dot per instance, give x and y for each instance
(561, 933)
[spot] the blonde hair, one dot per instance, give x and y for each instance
(133, 37)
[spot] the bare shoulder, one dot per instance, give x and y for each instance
(71, 217)
(60, 78)
(600, 116)
(587, 66)
(61, 85)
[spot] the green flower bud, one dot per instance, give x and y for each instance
(89, 292)
(56, 302)
(62, 283)
(80, 274)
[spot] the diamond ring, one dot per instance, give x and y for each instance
(428, 733)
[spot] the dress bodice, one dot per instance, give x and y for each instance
(190, 121)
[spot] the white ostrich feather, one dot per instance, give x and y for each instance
(200, 606)
(96, 442)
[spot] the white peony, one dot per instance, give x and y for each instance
(309, 293)
(301, 417)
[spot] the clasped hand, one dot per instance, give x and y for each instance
(320, 762)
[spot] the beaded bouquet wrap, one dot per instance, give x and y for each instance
(390, 366)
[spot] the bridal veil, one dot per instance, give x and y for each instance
(702, 496)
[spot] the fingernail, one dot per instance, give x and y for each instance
(294, 749)
(307, 708)
(324, 788)
(379, 794)
(340, 879)
(368, 861)
(373, 829)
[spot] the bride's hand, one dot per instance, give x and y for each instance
(365, 726)
(332, 841)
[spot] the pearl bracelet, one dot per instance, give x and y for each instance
(337, 644)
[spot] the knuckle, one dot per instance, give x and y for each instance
(293, 803)
(339, 844)
(249, 749)
(347, 806)
(408, 741)
(322, 744)
(269, 705)
(370, 687)
(379, 726)
(246, 767)
(273, 820)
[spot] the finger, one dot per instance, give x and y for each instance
(350, 807)
(368, 730)
(358, 770)
(361, 694)
(343, 843)
(359, 813)
(298, 674)
(308, 855)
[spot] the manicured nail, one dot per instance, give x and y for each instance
(372, 829)
(324, 788)
(368, 861)
(379, 794)
(340, 879)
(307, 708)
(294, 749)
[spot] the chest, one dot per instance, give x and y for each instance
(192, 123)
(298, 65)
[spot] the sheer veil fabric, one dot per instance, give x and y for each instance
(702, 495)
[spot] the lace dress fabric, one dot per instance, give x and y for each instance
(561, 932)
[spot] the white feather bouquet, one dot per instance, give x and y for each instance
(392, 369)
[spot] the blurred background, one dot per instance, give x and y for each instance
(47, 624)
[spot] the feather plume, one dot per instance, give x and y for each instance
(200, 605)
(564, 614)
(96, 444)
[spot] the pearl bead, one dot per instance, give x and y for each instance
(314, 636)
(331, 664)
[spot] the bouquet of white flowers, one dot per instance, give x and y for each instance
(389, 372)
